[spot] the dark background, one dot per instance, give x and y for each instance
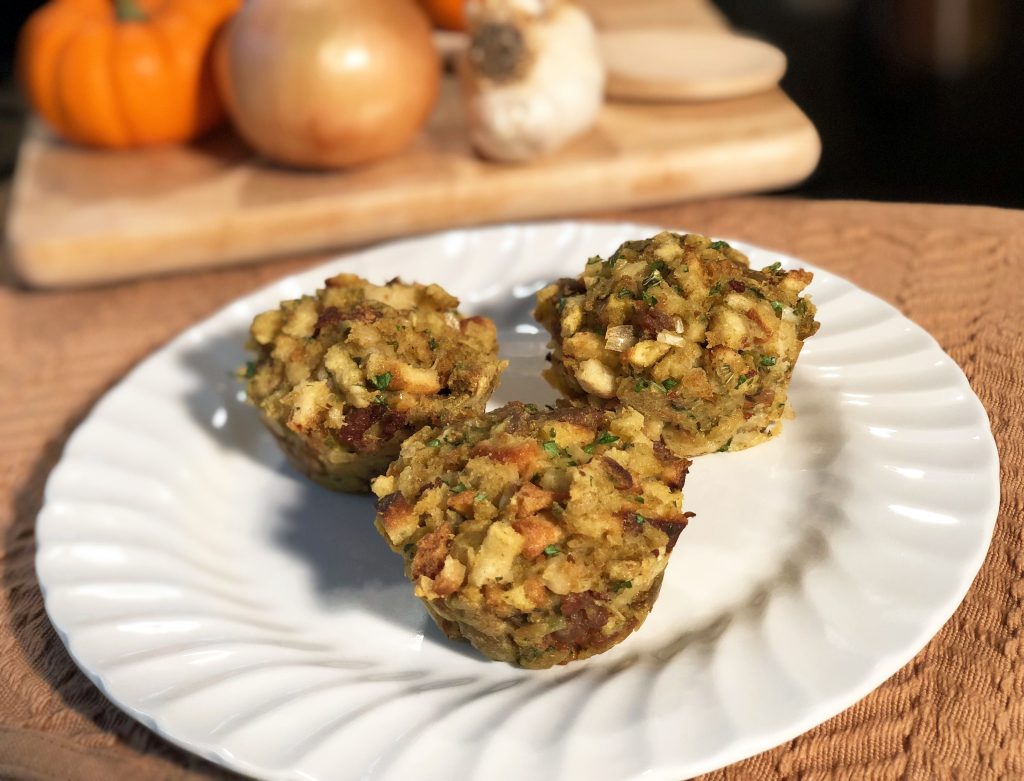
(915, 100)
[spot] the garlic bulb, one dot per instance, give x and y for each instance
(532, 76)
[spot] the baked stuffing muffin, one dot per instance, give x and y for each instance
(342, 377)
(681, 329)
(540, 537)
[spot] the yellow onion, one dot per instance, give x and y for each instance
(328, 83)
(619, 338)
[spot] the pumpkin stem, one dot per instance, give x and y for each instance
(129, 11)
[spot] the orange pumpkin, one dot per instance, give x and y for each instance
(121, 73)
(446, 14)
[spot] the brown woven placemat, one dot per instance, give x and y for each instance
(956, 711)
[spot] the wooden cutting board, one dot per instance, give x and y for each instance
(79, 217)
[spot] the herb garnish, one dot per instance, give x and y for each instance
(604, 438)
(382, 381)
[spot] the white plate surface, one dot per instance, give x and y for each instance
(258, 620)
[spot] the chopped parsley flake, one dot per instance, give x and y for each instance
(560, 304)
(552, 550)
(642, 384)
(531, 407)
(625, 293)
(458, 488)
(775, 267)
(480, 497)
(250, 369)
(551, 448)
(741, 380)
(725, 447)
(639, 500)
(719, 245)
(777, 306)
(620, 585)
(649, 299)
(669, 384)
(434, 443)
(382, 381)
(433, 343)
(768, 360)
(604, 438)
(715, 289)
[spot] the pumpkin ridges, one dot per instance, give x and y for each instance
(177, 27)
(85, 72)
(182, 50)
(140, 71)
(41, 47)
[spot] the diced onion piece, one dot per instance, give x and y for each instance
(676, 340)
(619, 338)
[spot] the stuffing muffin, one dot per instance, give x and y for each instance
(342, 377)
(540, 537)
(681, 329)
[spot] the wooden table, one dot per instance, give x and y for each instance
(957, 710)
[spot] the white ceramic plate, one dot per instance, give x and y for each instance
(258, 620)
